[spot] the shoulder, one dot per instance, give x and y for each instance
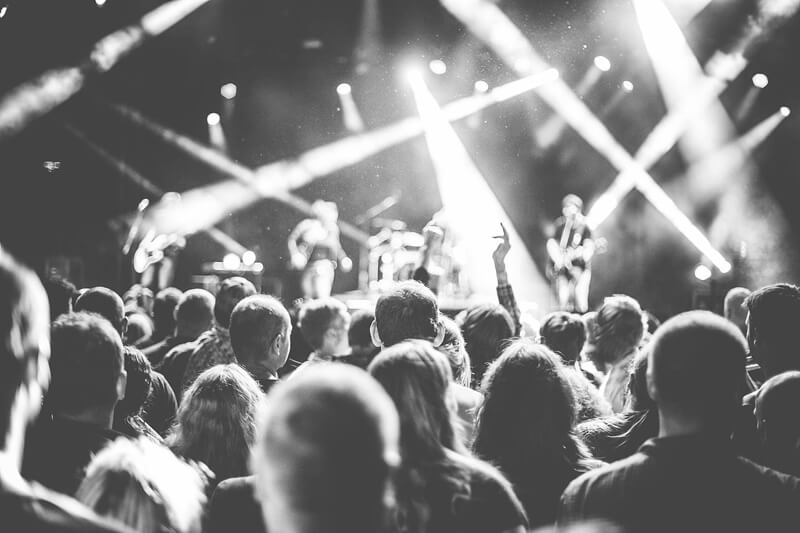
(607, 477)
(234, 486)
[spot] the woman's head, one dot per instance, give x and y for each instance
(486, 328)
(216, 420)
(453, 347)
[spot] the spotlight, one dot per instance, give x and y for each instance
(760, 80)
(228, 91)
(627, 86)
(785, 111)
(212, 119)
(3, 11)
(602, 63)
(481, 86)
(248, 258)
(231, 261)
(100, 3)
(437, 66)
(702, 272)
(412, 74)
(343, 89)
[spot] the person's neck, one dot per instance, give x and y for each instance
(102, 417)
(260, 370)
(673, 426)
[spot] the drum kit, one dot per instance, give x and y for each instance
(393, 253)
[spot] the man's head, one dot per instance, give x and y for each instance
(231, 292)
(777, 419)
(695, 370)
(164, 311)
(408, 311)
(618, 328)
(734, 309)
(571, 205)
(565, 334)
(87, 366)
(194, 313)
(325, 323)
(260, 333)
(772, 323)
(61, 293)
(24, 347)
(330, 427)
(106, 303)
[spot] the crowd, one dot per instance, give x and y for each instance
(187, 412)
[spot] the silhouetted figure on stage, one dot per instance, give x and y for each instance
(570, 250)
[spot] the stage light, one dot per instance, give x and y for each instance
(248, 258)
(212, 119)
(760, 80)
(785, 111)
(100, 3)
(343, 89)
(3, 11)
(437, 66)
(481, 86)
(412, 74)
(702, 272)
(602, 63)
(231, 261)
(228, 91)
(627, 86)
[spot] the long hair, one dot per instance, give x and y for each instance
(487, 329)
(417, 378)
(216, 421)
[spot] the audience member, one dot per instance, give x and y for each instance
(88, 379)
(408, 310)
(138, 299)
(363, 351)
(325, 324)
(164, 314)
(216, 420)
(128, 413)
(690, 478)
(24, 378)
(260, 333)
(138, 330)
(734, 308)
(143, 485)
(467, 399)
(61, 294)
(106, 303)
(440, 488)
(525, 427)
(214, 346)
(778, 421)
(487, 328)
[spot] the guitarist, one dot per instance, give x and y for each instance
(570, 249)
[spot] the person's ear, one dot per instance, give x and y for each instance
(122, 383)
(376, 338)
(437, 341)
(123, 327)
(652, 391)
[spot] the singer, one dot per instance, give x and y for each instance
(570, 250)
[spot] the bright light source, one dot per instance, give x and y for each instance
(602, 63)
(437, 66)
(343, 89)
(212, 119)
(702, 272)
(481, 86)
(627, 86)
(231, 261)
(412, 74)
(228, 91)
(100, 3)
(3, 11)
(248, 258)
(760, 80)
(785, 111)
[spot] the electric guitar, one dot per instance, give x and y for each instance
(154, 248)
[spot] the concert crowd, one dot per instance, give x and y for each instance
(188, 412)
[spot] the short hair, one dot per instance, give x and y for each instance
(138, 384)
(776, 405)
(774, 313)
(409, 310)
(23, 332)
(696, 365)
(104, 302)
(215, 423)
(318, 316)
(565, 334)
(573, 200)
(195, 311)
(231, 292)
(60, 293)
(330, 427)
(144, 486)
(139, 328)
(360, 321)
(454, 347)
(255, 322)
(734, 302)
(638, 399)
(487, 328)
(164, 309)
(619, 327)
(85, 364)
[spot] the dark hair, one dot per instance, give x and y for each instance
(565, 334)
(318, 316)
(231, 292)
(255, 323)
(138, 329)
(618, 329)
(358, 335)
(164, 310)
(453, 346)
(487, 328)
(775, 318)
(60, 294)
(86, 363)
(408, 311)
(104, 302)
(23, 326)
(194, 312)
(138, 384)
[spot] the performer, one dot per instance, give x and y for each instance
(314, 248)
(155, 259)
(570, 249)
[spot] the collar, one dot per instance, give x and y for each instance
(703, 445)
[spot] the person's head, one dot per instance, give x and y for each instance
(733, 307)
(164, 311)
(409, 310)
(138, 384)
(487, 328)
(565, 334)
(327, 212)
(618, 329)
(638, 398)
(417, 378)
(106, 303)
(772, 322)
(216, 420)
(138, 299)
(326, 450)
(778, 422)
(144, 486)
(24, 349)
(139, 328)
(325, 324)
(260, 333)
(359, 337)
(694, 373)
(231, 292)
(571, 205)
(453, 346)
(194, 313)
(88, 373)
(61, 293)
